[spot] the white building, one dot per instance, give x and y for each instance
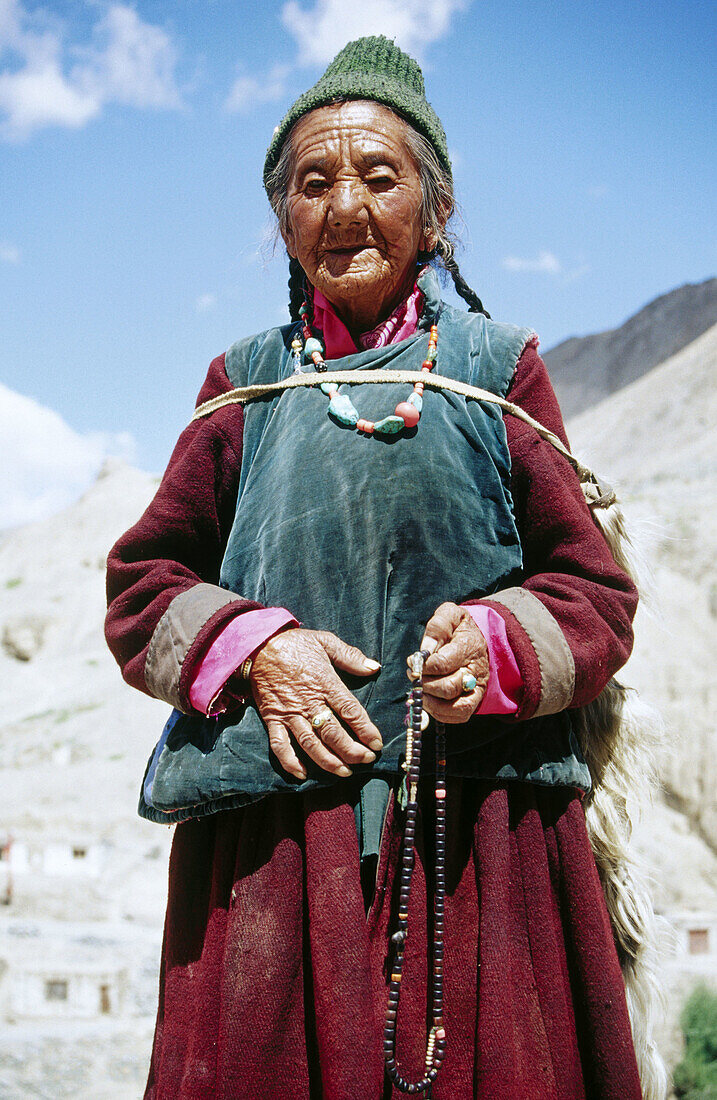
(64, 991)
(60, 858)
(55, 970)
(694, 943)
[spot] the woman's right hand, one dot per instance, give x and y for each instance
(293, 680)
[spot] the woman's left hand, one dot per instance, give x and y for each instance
(458, 654)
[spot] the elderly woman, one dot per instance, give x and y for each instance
(309, 535)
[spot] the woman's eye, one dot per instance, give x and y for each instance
(314, 186)
(381, 182)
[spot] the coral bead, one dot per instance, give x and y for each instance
(409, 414)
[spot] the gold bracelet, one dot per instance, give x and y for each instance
(245, 668)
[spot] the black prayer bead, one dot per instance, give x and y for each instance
(407, 865)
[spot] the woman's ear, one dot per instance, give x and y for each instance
(429, 240)
(430, 236)
(287, 237)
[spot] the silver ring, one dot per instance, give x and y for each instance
(321, 718)
(469, 682)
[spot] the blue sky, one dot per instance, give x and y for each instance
(132, 217)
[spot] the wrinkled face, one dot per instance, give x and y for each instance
(353, 207)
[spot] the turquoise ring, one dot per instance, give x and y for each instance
(469, 682)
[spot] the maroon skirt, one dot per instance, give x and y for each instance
(274, 979)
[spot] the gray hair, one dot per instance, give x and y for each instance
(437, 203)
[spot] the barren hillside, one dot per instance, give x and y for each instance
(587, 369)
(656, 441)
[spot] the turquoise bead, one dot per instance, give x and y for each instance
(390, 425)
(329, 388)
(312, 345)
(342, 408)
(415, 399)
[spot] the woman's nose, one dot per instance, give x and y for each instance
(347, 205)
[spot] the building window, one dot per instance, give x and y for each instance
(56, 991)
(79, 853)
(105, 1001)
(699, 941)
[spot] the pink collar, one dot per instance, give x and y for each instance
(338, 341)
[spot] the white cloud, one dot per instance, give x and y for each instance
(546, 263)
(39, 94)
(322, 28)
(205, 302)
(131, 62)
(128, 61)
(9, 253)
(249, 91)
(44, 464)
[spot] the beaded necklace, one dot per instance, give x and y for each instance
(341, 407)
(436, 1044)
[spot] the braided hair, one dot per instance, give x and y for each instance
(474, 303)
(296, 288)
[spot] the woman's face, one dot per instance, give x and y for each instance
(353, 206)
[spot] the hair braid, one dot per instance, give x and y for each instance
(296, 288)
(474, 303)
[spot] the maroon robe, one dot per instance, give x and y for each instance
(274, 981)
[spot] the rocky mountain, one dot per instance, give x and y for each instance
(655, 440)
(586, 369)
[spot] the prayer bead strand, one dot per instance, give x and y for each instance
(436, 1044)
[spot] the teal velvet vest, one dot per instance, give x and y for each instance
(365, 536)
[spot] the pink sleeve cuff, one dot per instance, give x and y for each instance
(505, 683)
(239, 639)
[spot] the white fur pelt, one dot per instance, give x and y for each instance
(620, 737)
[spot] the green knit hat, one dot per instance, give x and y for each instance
(368, 68)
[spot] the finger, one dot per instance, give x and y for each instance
(440, 627)
(308, 741)
(449, 658)
(337, 740)
(353, 715)
(451, 712)
(346, 657)
(283, 750)
(445, 687)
